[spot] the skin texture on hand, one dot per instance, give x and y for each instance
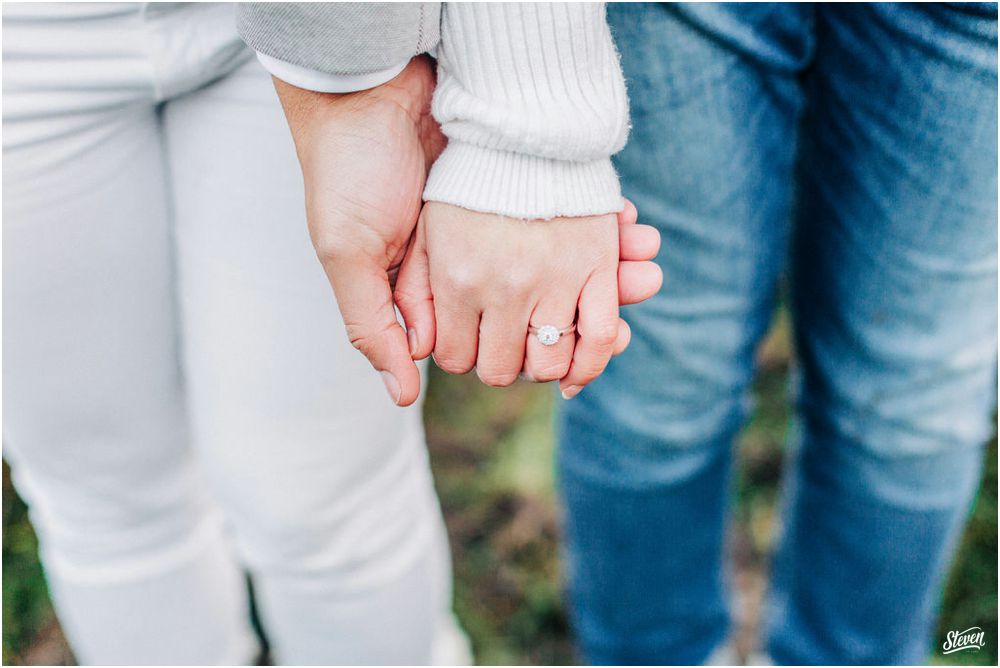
(364, 159)
(472, 283)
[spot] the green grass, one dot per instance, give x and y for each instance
(971, 595)
(492, 453)
(26, 606)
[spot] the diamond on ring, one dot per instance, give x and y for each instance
(548, 335)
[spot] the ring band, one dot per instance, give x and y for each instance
(549, 335)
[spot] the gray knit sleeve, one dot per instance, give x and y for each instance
(340, 38)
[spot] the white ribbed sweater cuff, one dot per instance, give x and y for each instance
(520, 185)
(533, 102)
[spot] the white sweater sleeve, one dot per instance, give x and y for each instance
(533, 102)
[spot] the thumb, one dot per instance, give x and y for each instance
(365, 301)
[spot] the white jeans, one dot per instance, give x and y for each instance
(181, 398)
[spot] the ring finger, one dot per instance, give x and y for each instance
(543, 363)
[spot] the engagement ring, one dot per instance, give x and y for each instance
(549, 335)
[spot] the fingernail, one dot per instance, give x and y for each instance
(411, 336)
(571, 391)
(392, 387)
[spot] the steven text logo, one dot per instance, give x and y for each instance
(956, 641)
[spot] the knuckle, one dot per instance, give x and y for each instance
(364, 339)
(550, 371)
(603, 335)
(588, 371)
(505, 297)
(463, 278)
(496, 378)
(452, 365)
(516, 280)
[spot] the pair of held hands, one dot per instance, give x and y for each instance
(467, 284)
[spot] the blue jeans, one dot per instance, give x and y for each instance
(859, 142)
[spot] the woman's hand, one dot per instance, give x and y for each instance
(472, 284)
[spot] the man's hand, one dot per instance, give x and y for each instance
(364, 159)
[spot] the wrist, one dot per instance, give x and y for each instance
(408, 91)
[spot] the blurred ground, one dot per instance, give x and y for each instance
(492, 456)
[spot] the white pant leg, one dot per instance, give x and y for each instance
(326, 481)
(135, 556)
